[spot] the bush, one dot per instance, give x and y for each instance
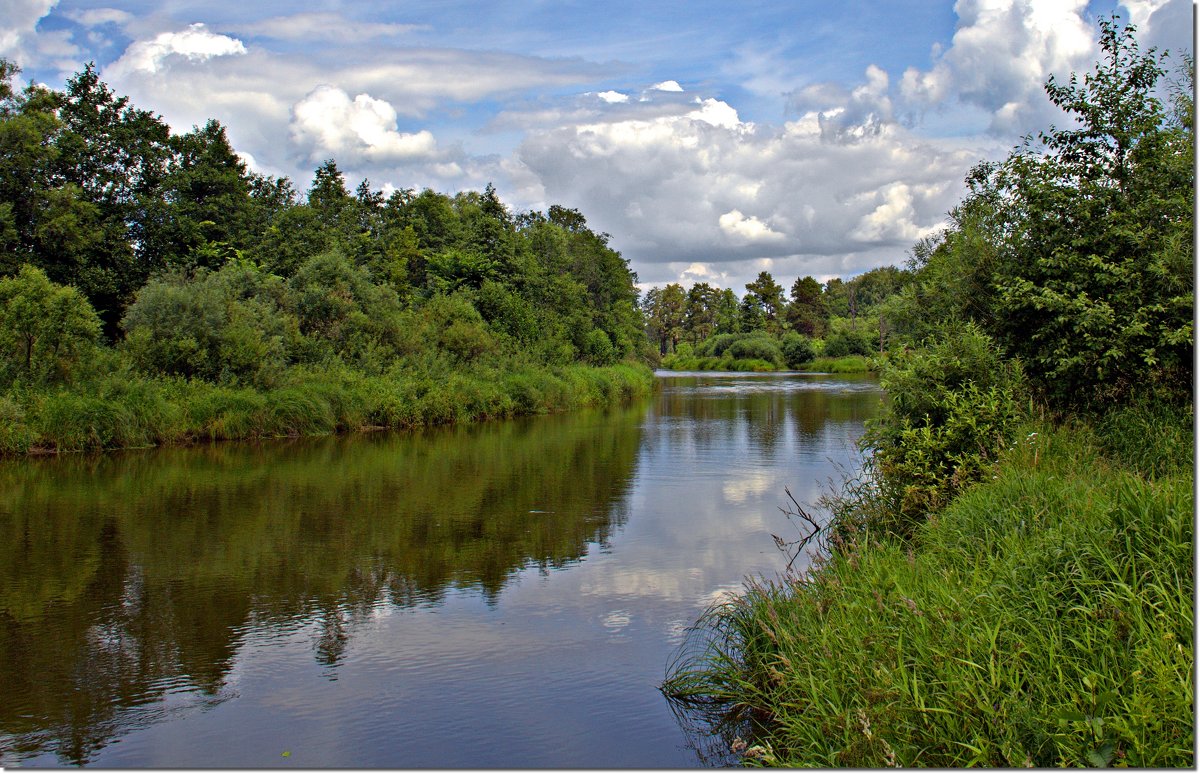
(598, 349)
(756, 347)
(797, 350)
(848, 342)
(229, 326)
(951, 408)
(44, 327)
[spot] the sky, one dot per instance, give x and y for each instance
(710, 140)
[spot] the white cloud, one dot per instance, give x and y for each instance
(1000, 56)
(667, 86)
(96, 17)
(893, 218)
(327, 123)
(324, 26)
(746, 229)
(716, 113)
(22, 43)
(702, 200)
(613, 97)
(847, 116)
(195, 44)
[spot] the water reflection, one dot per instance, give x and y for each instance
(506, 595)
(125, 578)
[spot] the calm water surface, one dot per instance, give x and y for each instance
(502, 595)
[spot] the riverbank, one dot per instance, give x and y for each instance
(1044, 618)
(123, 410)
(849, 364)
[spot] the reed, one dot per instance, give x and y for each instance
(1043, 618)
(123, 411)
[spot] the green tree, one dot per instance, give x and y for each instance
(44, 327)
(805, 313)
(700, 313)
(231, 326)
(665, 309)
(1096, 282)
(769, 295)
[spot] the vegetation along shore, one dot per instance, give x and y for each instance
(1009, 580)
(155, 291)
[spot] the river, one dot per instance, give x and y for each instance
(506, 594)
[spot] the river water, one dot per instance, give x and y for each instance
(499, 595)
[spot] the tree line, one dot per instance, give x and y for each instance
(197, 266)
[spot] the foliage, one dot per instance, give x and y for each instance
(952, 407)
(227, 326)
(44, 328)
(1076, 252)
(756, 347)
(797, 350)
(1045, 621)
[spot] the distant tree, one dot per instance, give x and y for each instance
(700, 311)
(769, 295)
(751, 315)
(665, 309)
(725, 312)
(805, 313)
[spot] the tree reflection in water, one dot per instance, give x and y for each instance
(128, 581)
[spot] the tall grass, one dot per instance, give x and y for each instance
(123, 410)
(1043, 618)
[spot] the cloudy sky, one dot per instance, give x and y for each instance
(712, 140)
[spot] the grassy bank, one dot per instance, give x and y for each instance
(849, 364)
(122, 410)
(1043, 618)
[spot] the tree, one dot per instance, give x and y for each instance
(769, 295)
(700, 311)
(44, 327)
(1096, 281)
(205, 213)
(805, 313)
(725, 312)
(665, 309)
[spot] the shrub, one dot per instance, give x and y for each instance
(952, 407)
(227, 326)
(797, 350)
(44, 327)
(598, 349)
(756, 347)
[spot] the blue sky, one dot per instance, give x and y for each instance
(712, 140)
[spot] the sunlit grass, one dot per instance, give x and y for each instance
(1044, 618)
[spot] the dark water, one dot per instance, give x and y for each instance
(502, 595)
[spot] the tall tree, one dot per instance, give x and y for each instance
(769, 295)
(805, 312)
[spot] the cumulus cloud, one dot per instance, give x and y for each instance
(328, 123)
(1000, 56)
(846, 115)
(196, 44)
(667, 86)
(21, 41)
(745, 229)
(680, 188)
(613, 97)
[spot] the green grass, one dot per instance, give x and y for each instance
(849, 364)
(123, 411)
(1043, 618)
